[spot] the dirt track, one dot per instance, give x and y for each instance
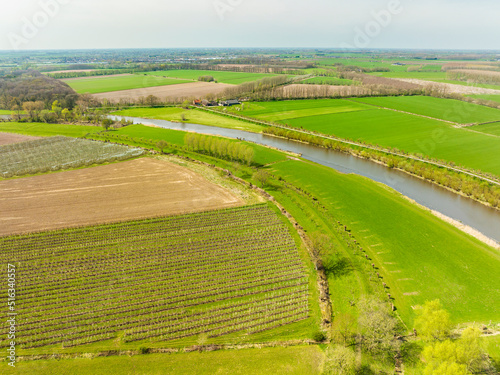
(134, 189)
(10, 138)
(195, 89)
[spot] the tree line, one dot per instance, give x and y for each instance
(220, 148)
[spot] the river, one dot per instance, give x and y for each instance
(469, 212)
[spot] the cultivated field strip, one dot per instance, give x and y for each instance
(159, 279)
(55, 153)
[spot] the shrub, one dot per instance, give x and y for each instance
(319, 336)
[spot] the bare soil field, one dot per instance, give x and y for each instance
(182, 90)
(136, 189)
(451, 88)
(10, 138)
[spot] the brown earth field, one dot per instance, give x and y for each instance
(135, 189)
(451, 88)
(10, 138)
(182, 90)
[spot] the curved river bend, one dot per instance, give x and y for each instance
(476, 215)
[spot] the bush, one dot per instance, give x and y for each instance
(48, 117)
(144, 350)
(339, 361)
(319, 336)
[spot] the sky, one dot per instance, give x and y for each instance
(400, 24)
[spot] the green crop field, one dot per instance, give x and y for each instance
(214, 273)
(415, 134)
(117, 83)
(419, 256)
(55, 153)
(291, 109)
(293, 360)
(327, 81)
(493, 128)
(425, 76)
(190, 115)
(494, 98)
(444, 109)
(47, 130)
(233, 78)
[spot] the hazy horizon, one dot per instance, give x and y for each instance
(195, 24)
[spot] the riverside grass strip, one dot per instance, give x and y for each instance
(161, 279)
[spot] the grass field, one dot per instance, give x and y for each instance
(233, 78)
(46, 130)
(493, 128)
(415, 134)
(295, 360)
(215, 273)
(419, 256)
(327, 81)
(5, 112)
(190, 115)
(426, 76)
(292, 109)
(117, 83)
(495, 98)
(55, 153)
(443, 109)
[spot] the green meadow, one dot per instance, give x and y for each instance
(493, 129)
(233, 78)
(426, 76)
(299, 360)
(361, 120)
(419, 256)
(47, 130)
(494, 98)
(443, 109)
(327, 81)
(118, 83)
(190, 115)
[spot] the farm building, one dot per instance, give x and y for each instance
(230, 102)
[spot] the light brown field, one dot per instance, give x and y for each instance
(130, 190)
(182, 90)
(486, 73)
(451, 88)
(10, 138)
